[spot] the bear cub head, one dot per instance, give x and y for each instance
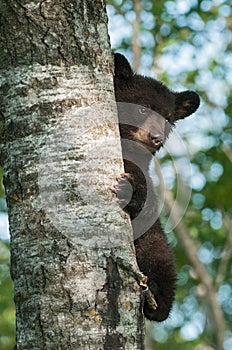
(147, 109)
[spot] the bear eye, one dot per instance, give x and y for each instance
(143, 110)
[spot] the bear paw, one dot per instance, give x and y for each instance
(124, 189)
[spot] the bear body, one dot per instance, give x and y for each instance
(147, 110)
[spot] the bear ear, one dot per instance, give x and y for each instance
(122, 67)
(186, 103)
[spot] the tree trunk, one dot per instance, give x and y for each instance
(73, 262)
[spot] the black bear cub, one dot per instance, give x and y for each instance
(147, 110)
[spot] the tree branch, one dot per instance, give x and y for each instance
(135, 38)
(228, 253)
(190, 248)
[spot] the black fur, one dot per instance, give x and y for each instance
(147, 109)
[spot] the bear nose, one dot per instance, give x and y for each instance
(156, 137)
(157, 140)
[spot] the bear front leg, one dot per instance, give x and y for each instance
(131, 195)
(124, 189)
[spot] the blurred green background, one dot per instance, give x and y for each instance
(7, 310)
(188, 45)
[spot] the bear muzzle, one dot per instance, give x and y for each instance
(157, 141)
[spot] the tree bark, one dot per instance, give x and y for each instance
(72, 256)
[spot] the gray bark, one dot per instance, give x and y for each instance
(73, 263)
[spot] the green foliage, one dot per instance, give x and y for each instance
(7, 309)
(2, 193)
(1, 185)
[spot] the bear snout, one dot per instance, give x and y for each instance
(157, 140)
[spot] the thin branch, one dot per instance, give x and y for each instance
(228, 152)
(228, 253)
(190, 248)
(135, 38)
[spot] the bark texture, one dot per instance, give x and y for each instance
(73, 264)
